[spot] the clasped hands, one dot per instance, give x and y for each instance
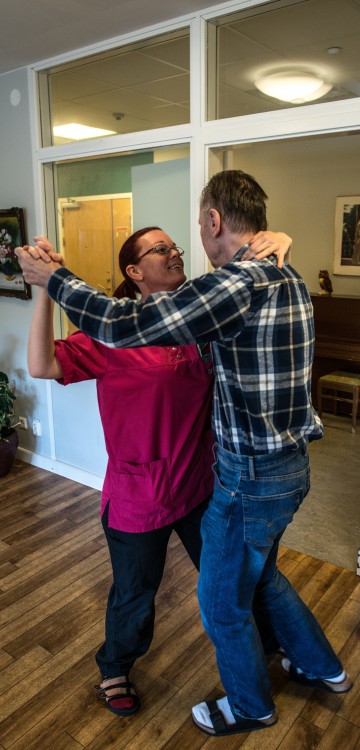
(29, 257)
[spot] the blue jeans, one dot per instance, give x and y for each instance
(254, 500)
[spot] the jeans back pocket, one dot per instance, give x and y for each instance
(268, 516)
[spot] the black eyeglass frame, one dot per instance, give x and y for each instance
(162, 249)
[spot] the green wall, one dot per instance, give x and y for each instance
(99, 176)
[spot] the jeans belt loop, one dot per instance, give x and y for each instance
(251, 464)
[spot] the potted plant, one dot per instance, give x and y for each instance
(9, 439)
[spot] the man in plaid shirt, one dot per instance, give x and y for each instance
(258, 318)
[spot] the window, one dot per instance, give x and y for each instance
(137, 87)
(101, 201)
(283, 44)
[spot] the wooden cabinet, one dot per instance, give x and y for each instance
(337, 336)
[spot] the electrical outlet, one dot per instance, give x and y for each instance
(36, 425)
(23, 423)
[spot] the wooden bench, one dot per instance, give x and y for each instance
(330, 386)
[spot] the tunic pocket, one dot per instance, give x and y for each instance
(142, 487)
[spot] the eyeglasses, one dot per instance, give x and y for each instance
(162, 250)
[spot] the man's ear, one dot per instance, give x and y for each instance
(135, 273)
(215, 222)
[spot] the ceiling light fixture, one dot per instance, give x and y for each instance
(76, 132)
(295, 87)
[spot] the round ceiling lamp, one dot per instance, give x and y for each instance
(294, 87)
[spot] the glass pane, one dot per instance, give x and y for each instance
(100, 202)
(138, 87)
(251, 52)
(305, 179)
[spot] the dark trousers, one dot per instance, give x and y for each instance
(138, 562)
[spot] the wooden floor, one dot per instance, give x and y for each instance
(54, 577)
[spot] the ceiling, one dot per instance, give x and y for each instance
(34, 30)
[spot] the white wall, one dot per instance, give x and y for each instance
(302, 178)
(156, 202)
(33, 397)
(16, 189)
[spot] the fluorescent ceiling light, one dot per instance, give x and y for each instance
(294, 87)
(75, 132)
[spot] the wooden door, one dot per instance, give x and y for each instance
(122, 228)
(92, 233)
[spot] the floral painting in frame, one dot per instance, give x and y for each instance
(12, 234)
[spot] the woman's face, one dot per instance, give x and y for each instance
(158, 272)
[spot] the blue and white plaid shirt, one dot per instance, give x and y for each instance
(259, 320)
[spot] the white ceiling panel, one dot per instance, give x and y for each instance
(34, 30)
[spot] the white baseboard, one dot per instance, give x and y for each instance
(57, 467)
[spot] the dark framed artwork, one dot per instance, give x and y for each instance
(347, 236)
(12, 234)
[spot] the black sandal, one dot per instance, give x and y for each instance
(121, 703)
(221, 729)
(336, 688)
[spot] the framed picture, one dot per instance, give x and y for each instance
(12, 234)
(347, 236)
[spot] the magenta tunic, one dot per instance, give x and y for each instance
(155, 405)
